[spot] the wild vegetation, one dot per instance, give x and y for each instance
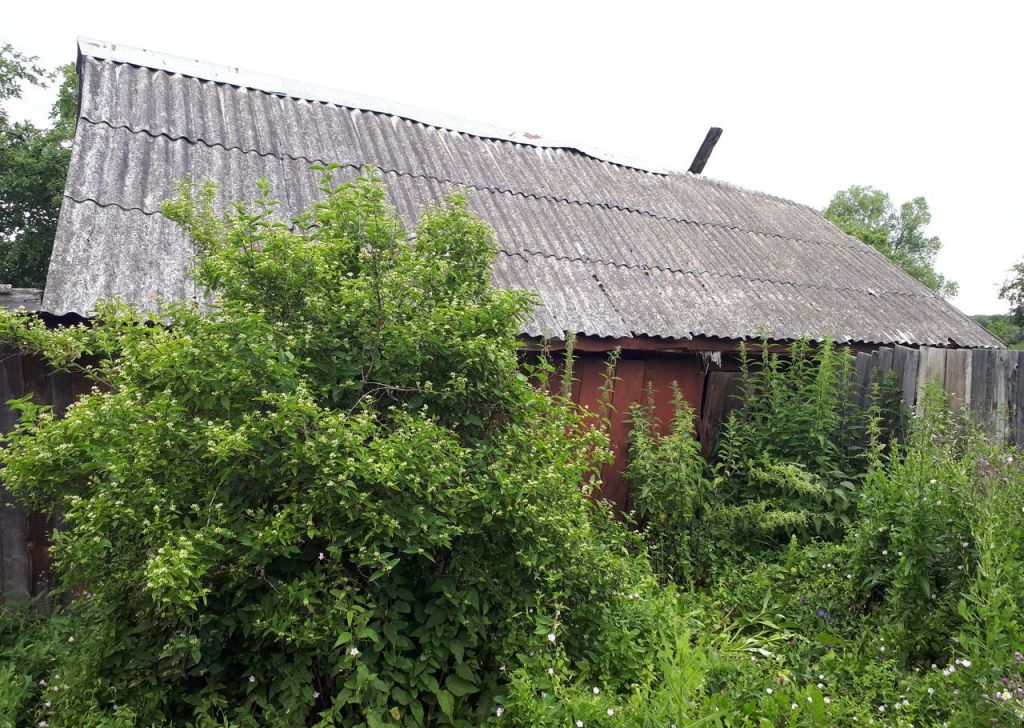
(333, 498)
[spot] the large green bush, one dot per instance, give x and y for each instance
(331, 498)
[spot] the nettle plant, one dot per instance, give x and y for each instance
(331, 498)
(791, 457)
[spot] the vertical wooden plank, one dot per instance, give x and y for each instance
(1002, 382)
(958, 378)
(592, 374)
(983, 387)
(931, 369)
(885, 359)
(1017, 436)
(661, 372)
(629, 386)
(905, 365)
(721, 396)
(862, 368)
(15, 579)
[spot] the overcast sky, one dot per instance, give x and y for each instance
(912, 98)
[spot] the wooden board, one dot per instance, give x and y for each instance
(721, 396)
(660, 374)
(15, 575)
(958, 378)
(931, 368)
(629, 384)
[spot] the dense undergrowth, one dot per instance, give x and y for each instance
(332, 498)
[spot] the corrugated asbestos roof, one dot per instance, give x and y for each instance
(613, 248)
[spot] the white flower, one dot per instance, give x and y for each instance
(821, 676)
(885, 552)
(899, 553)
(71, 638)
(316, 694)
(579, 723)
(1009, 460)
(769, 691)
(501, 669)
(932, 481)
(938, 503)
(931, 691)
(827, 700)
(820, 686)
(321, 556)
(498, 711)
(354, 651)
(551, 671)
(252, 678)
(551, 636)
(881, 708)
(965, 663)
(42, 724)
(597, 690)
(611, 711)
(810, 699)
(793, 706)
(965, 544)
(881, 648)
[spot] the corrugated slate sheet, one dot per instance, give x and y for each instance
(612, 250)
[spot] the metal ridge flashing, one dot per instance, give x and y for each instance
(267, 83)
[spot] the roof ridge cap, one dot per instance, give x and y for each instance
(280, 86)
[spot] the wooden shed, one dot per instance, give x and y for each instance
(675, 269)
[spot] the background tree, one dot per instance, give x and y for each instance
(33, 167)
(869, 214)
(1013, 292)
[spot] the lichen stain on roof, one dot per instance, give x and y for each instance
(614, 248)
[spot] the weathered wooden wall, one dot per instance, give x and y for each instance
(24, 536)
(987, 382)
(990, 383)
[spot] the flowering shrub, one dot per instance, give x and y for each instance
(329, 499)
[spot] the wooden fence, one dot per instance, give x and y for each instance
(989, 383)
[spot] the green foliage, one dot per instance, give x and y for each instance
(33, 167)
(869, 214)
(1012, 292)
(791, 455)
(329, 499)
(1003, 326)
(671, 490)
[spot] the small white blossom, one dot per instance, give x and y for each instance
(597, 690)
(810, 699)
(354, 651)
(71, 638)
(252, 678)
(551, 671)
(931, 691)
(498, 711)
(793, 706)
(579, 723)
(321, 556)
(769, 691)
(611, 711)
(965, 663)
(551, 636)
(881, 708)
(885, 552)
(827, 700)
(932, 481)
